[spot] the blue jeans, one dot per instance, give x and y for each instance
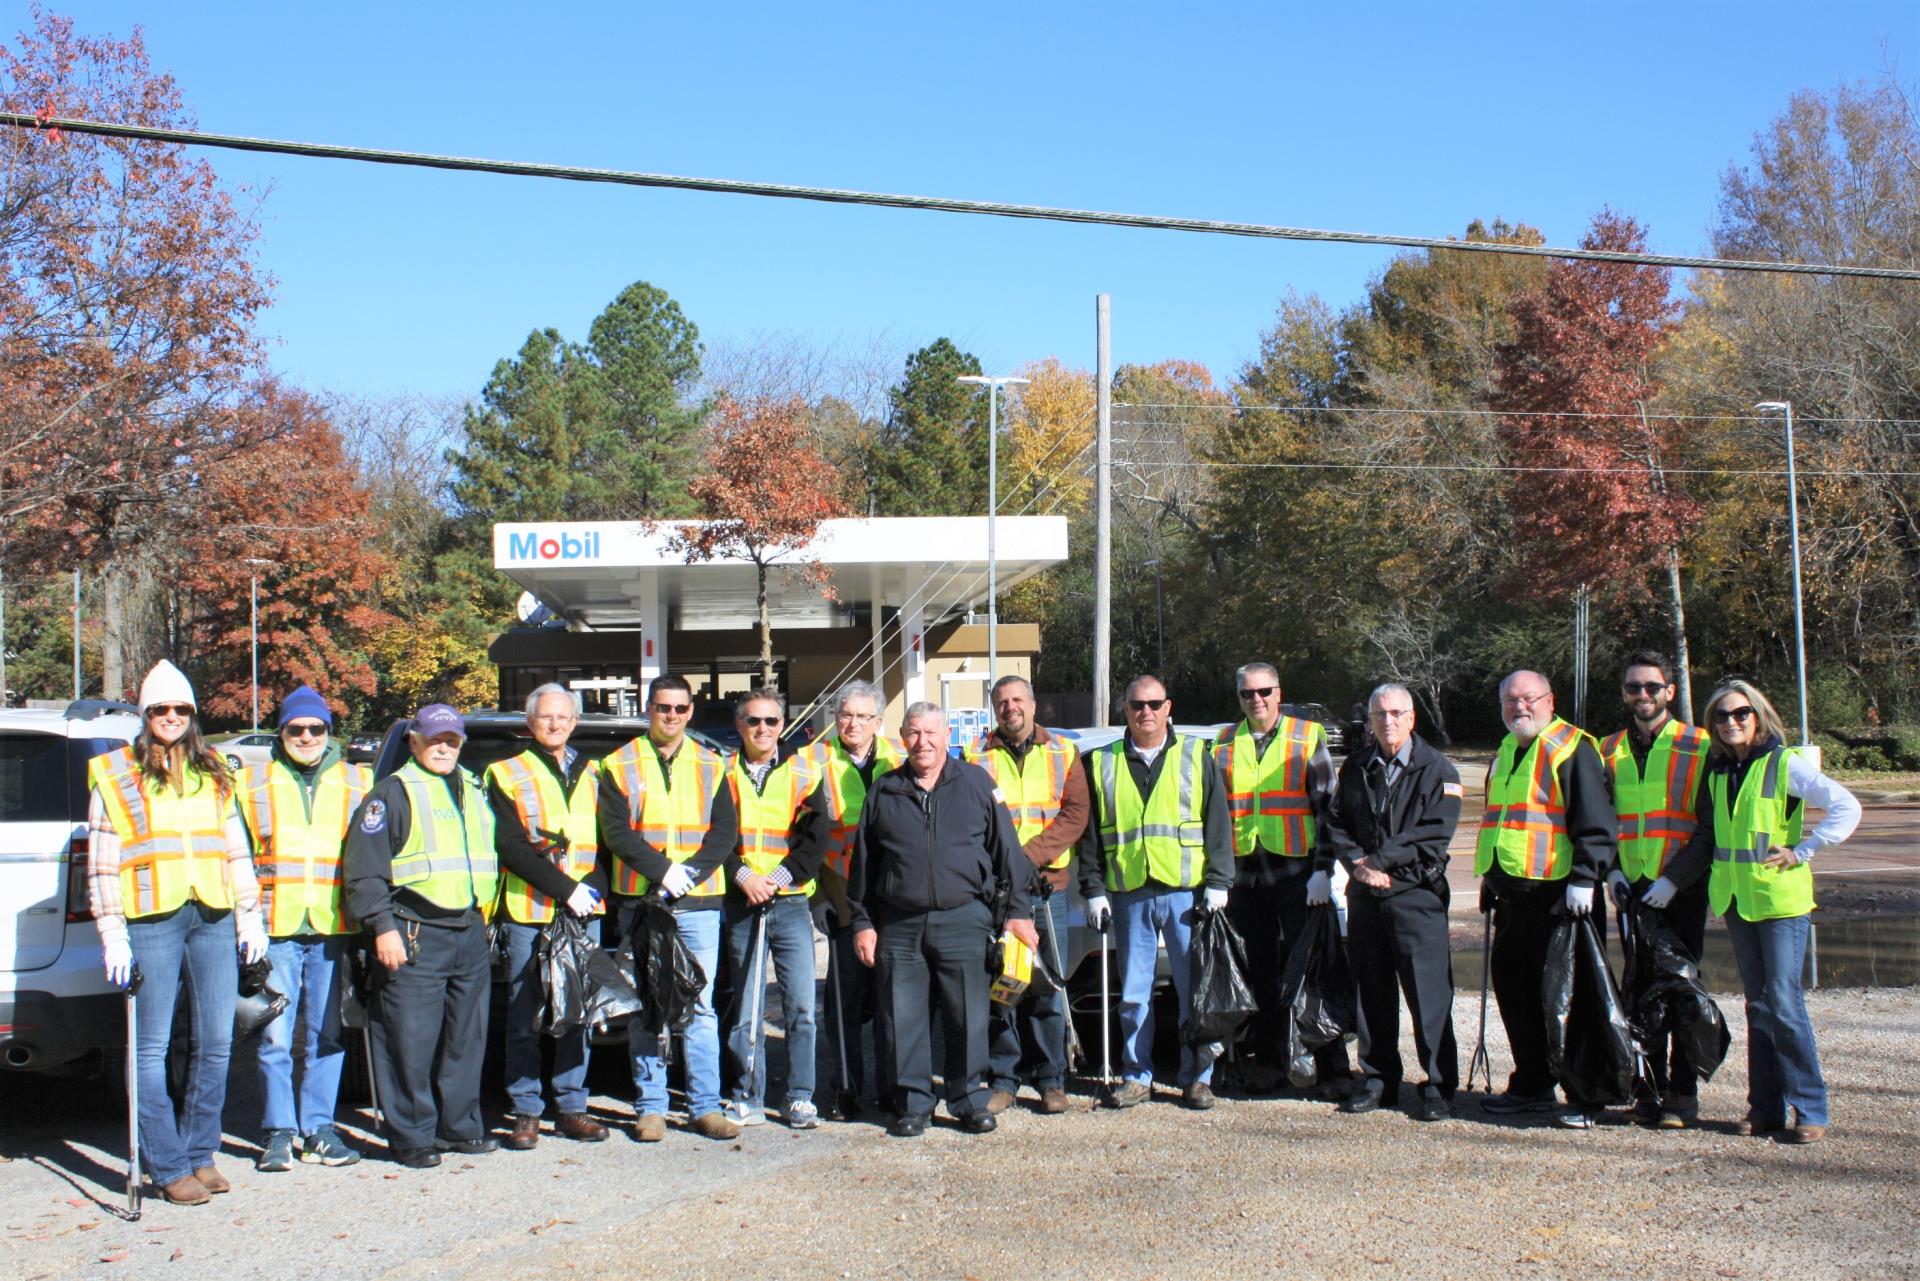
(700, 1043)
(790, 946)
(526, 998)
(1783, 1065)
(308, 971)
(201, 942)
(1143, 918)
(1033, 1033)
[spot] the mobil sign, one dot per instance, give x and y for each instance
(549, 545)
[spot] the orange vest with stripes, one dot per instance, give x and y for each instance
(674, 820)
(543, 805)
(1267, 794)
(767, 814)
(1033, 793)
(846, 792)
(1525, 827)
(173, 847)
(1655, 808)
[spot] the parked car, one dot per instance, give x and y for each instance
(56, 1006)
(363, 748)
(1336, 728)
(249, 747)
(495, 736)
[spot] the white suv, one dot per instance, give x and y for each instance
(56, 1005)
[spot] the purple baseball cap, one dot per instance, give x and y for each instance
(438, 718)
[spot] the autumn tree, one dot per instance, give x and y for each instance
(762, 498)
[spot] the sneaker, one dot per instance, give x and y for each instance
(277, 1157)
(802, 1115)
(1574, 1119)
(1678, 1111)
(741, 1112)
(713, 1125)
(1130, 1094)
(1509, 1103)
(325, 1147)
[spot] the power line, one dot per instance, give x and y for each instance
(941, 204)
(1465, 412)
(1511, 467)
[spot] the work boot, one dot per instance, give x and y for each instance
(1053, 1101)
(525, 1136)
(1678, 1111)
(1198, 1096)
(999, 1101)
(325, 1147)
(1751, 1126)
(186, 1190)
(1804, 1134)
(212, 1180)
(714, 1125)
(1509, 1103)
(579, 1127)
(277, 1157)
(1129, 1094)
(650, 1128)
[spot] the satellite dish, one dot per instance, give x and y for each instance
(531, 610)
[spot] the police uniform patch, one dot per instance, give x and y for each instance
(999, 796)
(374, 818)
(1452, 789)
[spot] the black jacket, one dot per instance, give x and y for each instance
(619, 839)
(1592, 826)
(1409, 843)
(515, 845)
(920, 851)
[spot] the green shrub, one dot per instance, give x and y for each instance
(1871, 759)
(1906, 746)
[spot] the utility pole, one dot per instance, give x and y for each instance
(993, 386)
(76, 640)
(1103, 511)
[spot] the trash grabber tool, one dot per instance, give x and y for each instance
(373, 1080)
(1076, 1054)
(1479, 1062)
(756, 1000)
(1106, 1011)
(133, 1099)
(839, 1018)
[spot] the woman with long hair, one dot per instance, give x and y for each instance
(1751, 833)
(170, 877)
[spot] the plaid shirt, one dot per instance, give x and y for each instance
(103, 872)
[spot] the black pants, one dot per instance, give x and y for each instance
(429, 1025)
(1672, 1067)
(923, 956)
(1522, 923)
(1399, 944)
(850, 1008)
(1268, 918)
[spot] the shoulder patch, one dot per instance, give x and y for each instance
(999, 796)
(374, 817)
(1454, 790)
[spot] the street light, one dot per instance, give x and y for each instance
(993, 386)
(1159, 623)
(1785, 409)
(253, 629)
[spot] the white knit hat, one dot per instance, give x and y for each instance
(166, 684)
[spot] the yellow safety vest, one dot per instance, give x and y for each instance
(1655, 808)
(672, 820)
(297, 842)
(1526, 821)
(448, 857)
(541, 801)
(1267, 795)
(1162, 837)
(767, 814)
(828, 762)
(173, 847)
(1033, 796)
(1758, 826)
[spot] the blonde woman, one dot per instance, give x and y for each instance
(170, 878)
(1750, 831)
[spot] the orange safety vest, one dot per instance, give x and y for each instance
(1267, 795)
(541, 801)
(172, 847)
(1656, 810)
(673, 820)
(1525, 826)
(1033, 798)
(846, 793)
(767, 814)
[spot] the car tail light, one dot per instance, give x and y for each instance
(78, 908)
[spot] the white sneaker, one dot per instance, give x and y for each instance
(802, 1115)
(1575, 1119)
(745, 1113)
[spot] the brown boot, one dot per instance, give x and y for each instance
(999, 1101)
(525, 1136)
(1053, 1101)
(212, 1180)
(714, 1125)
(186, 1190)
(650, 1128)
(579, 1126)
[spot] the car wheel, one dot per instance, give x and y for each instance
(233, 762)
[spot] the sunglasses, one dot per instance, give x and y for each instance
(1265, 691)
(170, 709)
(308, 729)
(673, 709)
(1146, 704)
(1724, 715)
(756, 722)
(1643, 687)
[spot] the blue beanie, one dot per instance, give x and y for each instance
(303, 702)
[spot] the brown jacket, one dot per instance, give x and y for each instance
(1076, 808)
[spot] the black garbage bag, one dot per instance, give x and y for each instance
(1219, 1000)
(1665, 995)
(1590, 1045)
(611, 995)
(563, 955)
(672, 979)
(259, 1004)
(1317, 988)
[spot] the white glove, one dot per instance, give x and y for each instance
(253, 944)
(1580, 899)
(677, 881)
(1319, 889)
(1099, 915)
(583, 900)
(1659, 894)
(118, 955)
(1617, 884)
(1216, 899)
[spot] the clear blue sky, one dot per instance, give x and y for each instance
(1410, 119)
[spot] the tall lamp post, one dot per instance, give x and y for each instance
(993, 386)
(1785, 410)
(253, 630)
(1159, 623)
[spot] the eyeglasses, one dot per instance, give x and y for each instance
(673, 709)
(1265, 691)
(1392, 713)
(859, 718)
(1525, 700)
(755, 722)
(170, 709)
(1723, 715)
(304, 729)
(1146, 704)
(1643, 687)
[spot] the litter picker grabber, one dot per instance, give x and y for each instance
(1076, 1054)
(133, 1098)
(1479, 1062)
(756, 1001)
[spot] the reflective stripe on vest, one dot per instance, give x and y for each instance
(297, 843)
(828, 761)
(1032, 796)
(448, 857)
(674, 820)
(1526, 820)
(1655, 809)
(767, 814)
(1267, 795)
(1758, 827)
(1162, 836)
(543, 806)
(173, 847)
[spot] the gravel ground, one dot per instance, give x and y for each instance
(1258, 1186)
